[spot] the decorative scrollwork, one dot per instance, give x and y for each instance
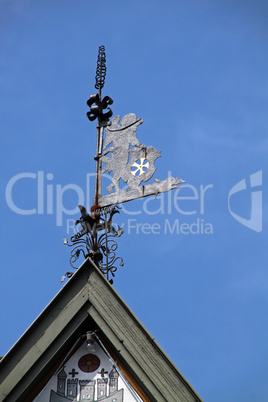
(86, 242)
(109, 246)
(75, 253)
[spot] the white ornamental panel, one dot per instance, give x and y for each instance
(88, 376)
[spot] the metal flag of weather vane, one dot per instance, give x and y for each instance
(118, 152)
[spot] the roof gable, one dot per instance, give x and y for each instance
(89, 302)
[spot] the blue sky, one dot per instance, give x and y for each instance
(196, 72)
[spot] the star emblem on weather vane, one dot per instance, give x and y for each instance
(120, 153)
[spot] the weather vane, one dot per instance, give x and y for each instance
(118, 151)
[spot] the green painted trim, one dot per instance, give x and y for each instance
(88, 295)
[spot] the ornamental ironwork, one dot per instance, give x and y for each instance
(120, 153)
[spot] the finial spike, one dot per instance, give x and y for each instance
(101, 68)
(130, 162)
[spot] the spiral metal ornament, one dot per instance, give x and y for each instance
(108, 246)
(97, 241)
(101, 68)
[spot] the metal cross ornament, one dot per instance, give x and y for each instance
(120, 153)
